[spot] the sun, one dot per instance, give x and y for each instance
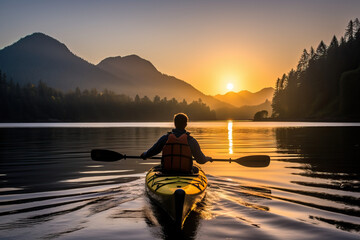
(230, 86)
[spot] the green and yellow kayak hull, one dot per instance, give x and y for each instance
(176, 194)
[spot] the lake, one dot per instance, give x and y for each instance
(51, 189)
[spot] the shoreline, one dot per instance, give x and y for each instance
(169, 124)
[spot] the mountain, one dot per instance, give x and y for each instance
(131, 66)
(244, 112)
(151, 82)
(246, 98)
(40, 57)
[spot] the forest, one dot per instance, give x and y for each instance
(40, 103)
(326, 83)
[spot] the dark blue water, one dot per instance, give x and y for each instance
(51, 189)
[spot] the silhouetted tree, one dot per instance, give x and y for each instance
(321, 49)
(42, 103)
(137, 99)
(304, 61)
(156, 99)
(334, 44)
(312, 53)
(349, 32)
(261, 115)
(318, 89)
(356, 26)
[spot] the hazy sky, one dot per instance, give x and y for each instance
(206, 43)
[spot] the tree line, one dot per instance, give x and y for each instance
(35, 103)
(326, 83)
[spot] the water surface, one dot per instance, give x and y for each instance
(51, 189)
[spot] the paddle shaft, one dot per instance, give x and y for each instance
(248, 161)
(212, 160)
(155, 157)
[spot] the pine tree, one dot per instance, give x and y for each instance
(334, 43)
(312, 53)
(321, 49)
(304, 61)
(316, 90)
(137, 99)
(156, 99)
(277, 87)
(283, 82)
(349, 32)
(342, 41)
(357, 28)
(356, 25)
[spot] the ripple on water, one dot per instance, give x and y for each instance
(52, 190)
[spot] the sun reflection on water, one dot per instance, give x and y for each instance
(230, 136)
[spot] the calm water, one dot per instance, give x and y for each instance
(51, 189)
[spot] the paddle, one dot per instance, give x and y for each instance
(104, 155)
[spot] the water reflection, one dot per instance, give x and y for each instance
(62, 156)
(325, 153)
(230, 136)
(51, 188)
(328, 170)
(168, 230)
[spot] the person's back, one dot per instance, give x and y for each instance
(176, 154)
(178, 148)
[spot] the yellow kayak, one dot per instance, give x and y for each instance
(176, 194)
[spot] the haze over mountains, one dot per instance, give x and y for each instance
(151, 82)
(246, 98)
(39, 57)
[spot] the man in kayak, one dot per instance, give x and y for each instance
(178, 148)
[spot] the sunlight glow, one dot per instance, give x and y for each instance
(230, 86)
(230, 137)
(229, 79)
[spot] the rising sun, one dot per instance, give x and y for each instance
(230, 86)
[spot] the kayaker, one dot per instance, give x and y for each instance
(178, 148)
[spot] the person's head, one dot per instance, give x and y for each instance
(180, 120)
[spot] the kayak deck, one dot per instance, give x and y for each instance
(176, 194)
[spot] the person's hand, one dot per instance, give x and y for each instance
(143, 156)
(209, 159)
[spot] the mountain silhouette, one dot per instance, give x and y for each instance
(131, 66)
(245, 112)
(151, 82)
(40, 57)
(246, 98)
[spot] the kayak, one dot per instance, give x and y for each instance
(176, 194)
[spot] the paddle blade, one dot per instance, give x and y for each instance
(254, 161)
(104, 155)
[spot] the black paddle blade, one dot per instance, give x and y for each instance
(254, 161)
(104, 155)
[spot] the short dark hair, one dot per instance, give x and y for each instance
(180, 120)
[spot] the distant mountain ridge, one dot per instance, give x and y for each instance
(132, 66)
(246, 98)
(40, 57)
(244, 112)
(151, 82)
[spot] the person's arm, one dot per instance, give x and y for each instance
(196, 151)
(156, 149)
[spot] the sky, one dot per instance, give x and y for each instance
(207, 43)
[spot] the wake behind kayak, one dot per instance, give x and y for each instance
(176, 194)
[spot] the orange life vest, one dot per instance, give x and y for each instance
(176, 154)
